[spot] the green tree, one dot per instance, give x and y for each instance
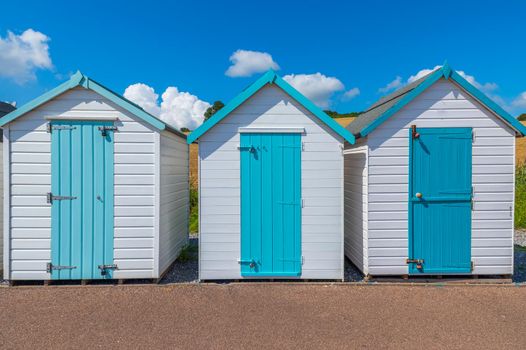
(334, 114)
(522, 117)
(213, 109)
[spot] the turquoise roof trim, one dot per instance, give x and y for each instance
(78, 79)
(270, 77)
(446, 72)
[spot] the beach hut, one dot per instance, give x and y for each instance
(94, 187)
(429, 184)
(4, 109)
(270, 187)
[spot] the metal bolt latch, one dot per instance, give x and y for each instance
(418, 262)
(104, 269)
(105, 129)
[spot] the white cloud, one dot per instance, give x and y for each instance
(316, 87)
(520, 101)
(486, 87)
(350, 94)
(395, 84)
(21, 55)
(177, 108)
(420, 74)
(246, 63)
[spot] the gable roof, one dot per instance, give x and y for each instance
(78, 79)
(270, 77)
(392, 103)
(6, 108)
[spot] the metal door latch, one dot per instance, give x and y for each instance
(50, 198)
(251, 263)
(104, 129)
(418, 262)
(414, 134)
(104, 268)
(50, 267)
(250, 149)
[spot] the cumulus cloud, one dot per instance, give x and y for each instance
(350, 94)
(421, 74)
(317, 87)
(246, 63)
(395, 84)
(21, 55)
(485, 87)
(520, 101)
(177, 108)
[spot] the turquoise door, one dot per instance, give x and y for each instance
(270, 205)
(440, 201)
(81, 200)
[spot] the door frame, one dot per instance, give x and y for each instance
(410, 222)
(272, 131)
(109, 192)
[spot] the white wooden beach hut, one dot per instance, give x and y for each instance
(429, 184)
(271, 187)
(4, 109)
(94, 187)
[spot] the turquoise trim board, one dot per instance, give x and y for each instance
(78, 79)
(270, 77)
(82, 221)
(445, 72)
(440, 194)
(270, 205)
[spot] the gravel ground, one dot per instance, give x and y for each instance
(264, 315)
(187, 270)
(352, 274)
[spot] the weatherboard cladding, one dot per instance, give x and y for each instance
(80, 80)
(444, 104)
(391, 104)
(271, 78)
(321, 187)
(139, 150)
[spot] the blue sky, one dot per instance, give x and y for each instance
(363, 45)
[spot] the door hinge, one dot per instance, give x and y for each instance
(104, 268)
(303, 146)
(50, 198)
(303, 203)
(50, 127)
(302, 260)
(50, 267)
(472, 266)
(104, 129)
(472, 136)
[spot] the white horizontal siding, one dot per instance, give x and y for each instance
(355, 205)
(442, 105)
(322, 182)
(31, 179)
(174, 198)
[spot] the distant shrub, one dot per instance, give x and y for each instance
(520, 196)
